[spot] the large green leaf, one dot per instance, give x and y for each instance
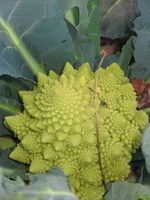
(117, 17)
(85, 51)
(141, 69)
(87, 13)
(146, 147)
(82, 6)
(40, 24)
(93, 23)
(121, 190)
(87, 42)
(126, 55)
(52, 185)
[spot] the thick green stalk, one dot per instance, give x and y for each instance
(11, 109)
(21, 48)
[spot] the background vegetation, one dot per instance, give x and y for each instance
(54, 32)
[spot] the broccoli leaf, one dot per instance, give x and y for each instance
(126, 55)
(52, 185)
(85, 52)
(117, 17)
(85, 12)
(81, 5)
(146, 147)
(141, 43)
(122, 190)
(87, 42)
(41, 26)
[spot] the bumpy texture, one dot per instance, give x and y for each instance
(58, 127)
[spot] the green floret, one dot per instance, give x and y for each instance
(61, 127)
(32, 142)
(140, 119)
(91, 192)
(114, 157)
(21, 155)
(49, 153)
(39, 164)
(19, 124)
(118, 73)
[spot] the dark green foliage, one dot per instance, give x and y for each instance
(126, 55)
(141, 69)
(44, 31)
(54, 32)
(117, 17)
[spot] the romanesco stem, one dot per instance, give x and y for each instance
(104, 54)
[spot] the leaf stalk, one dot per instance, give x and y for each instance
(21, 48)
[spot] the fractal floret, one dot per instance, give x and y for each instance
(60, 126)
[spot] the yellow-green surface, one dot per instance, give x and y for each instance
(58, 127)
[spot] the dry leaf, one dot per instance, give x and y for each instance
(139, 86)
(142, 90)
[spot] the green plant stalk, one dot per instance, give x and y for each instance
(21, 48)
(9, 108)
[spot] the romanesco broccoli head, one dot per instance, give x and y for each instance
(57, 127)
